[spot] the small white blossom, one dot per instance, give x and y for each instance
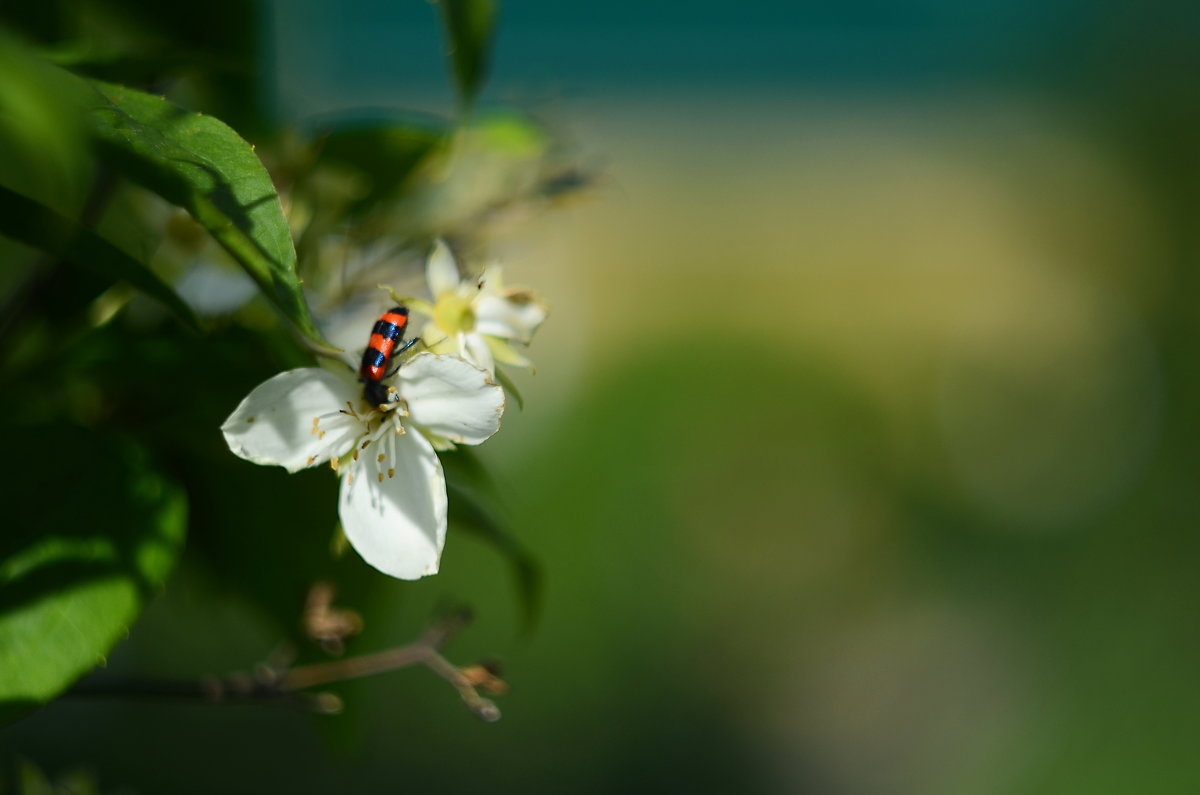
(206, 277)
(392, 502)
(477, 318)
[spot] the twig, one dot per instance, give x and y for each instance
(286, 685)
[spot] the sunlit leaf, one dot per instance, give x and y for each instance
(44, 149)
(469, 26)
(92, 531)
(199, 163)
(28, 221)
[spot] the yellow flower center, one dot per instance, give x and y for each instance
(453, 314)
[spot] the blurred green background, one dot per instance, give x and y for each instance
(861, 456)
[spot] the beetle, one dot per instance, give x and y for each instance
(381, 349)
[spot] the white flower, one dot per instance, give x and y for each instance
(478, 318)
(206, 277)
(393, 492)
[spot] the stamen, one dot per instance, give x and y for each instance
(375, 434)
(311, 459)
(334, 463)
(380, 458)
(380, 477)
(392, 449)
(355, 453)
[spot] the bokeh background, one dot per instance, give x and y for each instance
(861, 455)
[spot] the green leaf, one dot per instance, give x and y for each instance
(469, 26)
(510, 388)
(45, 151)
(200, 164)
(28, 221)
(91, 532)
(385, 152)
(474, 511)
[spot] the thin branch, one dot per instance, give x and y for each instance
(285, 686)
(354, 667)
(484, 708)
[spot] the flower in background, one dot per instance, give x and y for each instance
(477, 318)
(204, 275)
(392, 501)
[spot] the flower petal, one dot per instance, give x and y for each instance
(503, 352)
(491, 279)
(440, 271)
(212, 288)
(514, 315)
(451, 397)
(293, 420)
(475, 351)
(348, 324)
(397, 523)
(438, 341)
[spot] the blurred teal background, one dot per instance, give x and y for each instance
(861, 456)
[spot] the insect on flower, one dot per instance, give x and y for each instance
(381, 348)
(392, 500)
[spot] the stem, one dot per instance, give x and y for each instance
(285, 685)
(354, 667)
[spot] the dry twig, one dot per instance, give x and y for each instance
(289, 685)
